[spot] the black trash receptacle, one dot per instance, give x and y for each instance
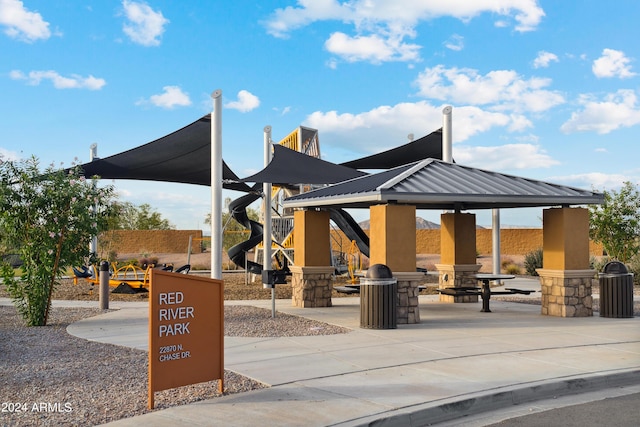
(616, 290)
(379, 299)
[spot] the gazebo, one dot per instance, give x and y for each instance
(392, 198)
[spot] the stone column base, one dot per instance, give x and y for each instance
(311, 286)
(567, 293)
(456, 276)
(408, 291)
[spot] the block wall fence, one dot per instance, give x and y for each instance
(513, 241)
(150, 241)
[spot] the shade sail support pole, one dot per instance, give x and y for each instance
(447, 134)
(216, 186)
(266, 189)
(495, 239)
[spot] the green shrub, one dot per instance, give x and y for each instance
(533, 261)
(634, 267)
(512, 268)
(598, 263)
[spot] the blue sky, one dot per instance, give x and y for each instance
(541, 89)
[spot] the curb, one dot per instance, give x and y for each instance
(451, 409)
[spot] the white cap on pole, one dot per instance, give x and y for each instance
(447, 134)
(216, 185)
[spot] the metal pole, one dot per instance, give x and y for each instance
(93, 155)
(495, 238)
(266, 189)
(216, 185)
(189, 249)
(104, 285)
(447, 134)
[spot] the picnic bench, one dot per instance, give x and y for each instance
(485, 291)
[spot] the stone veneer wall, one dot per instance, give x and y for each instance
(408, 311)
(457, 276)
(567, 293)
(311, 286)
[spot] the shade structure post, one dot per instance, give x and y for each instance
(495, 240)
(216, 185)
(93, 244)
(266, 189)
(447, 134)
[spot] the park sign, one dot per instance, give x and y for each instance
(186, 331)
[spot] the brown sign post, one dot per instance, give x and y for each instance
(186, 331)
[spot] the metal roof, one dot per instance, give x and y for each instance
(434, 184)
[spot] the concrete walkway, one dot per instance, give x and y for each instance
(456, 362)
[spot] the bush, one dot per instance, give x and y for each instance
(598, 263)
(505, 262)
(533, 261)
(634, 267)
(512, 268)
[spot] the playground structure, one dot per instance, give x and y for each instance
(128, 278)
(305, 141)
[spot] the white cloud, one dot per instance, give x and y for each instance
(385, 127)
(245, 103)
(612, 63)
(619, 109)
(22, 24)
(59, 82)
(501, 90)
(372, 48)
(7, 155)
(455, 42)
(504, 157)
(387, 23)
(172, 97)
(544, 59)
(144, 25)
(596, 180)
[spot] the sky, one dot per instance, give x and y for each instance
(546, 90)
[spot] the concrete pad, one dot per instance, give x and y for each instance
(457, 361)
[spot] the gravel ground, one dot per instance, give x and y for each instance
(49, 377)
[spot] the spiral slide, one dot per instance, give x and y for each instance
(238, 253)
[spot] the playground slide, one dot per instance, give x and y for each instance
(351, 229)
(238, 253)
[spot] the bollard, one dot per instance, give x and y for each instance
(104, 285)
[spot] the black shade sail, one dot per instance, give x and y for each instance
(183, 156)
(291, 167)
(429, 146)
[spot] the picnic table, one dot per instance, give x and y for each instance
(485, 291)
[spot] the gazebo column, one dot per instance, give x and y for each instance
(457, 255)
(393, 243)
(566, 279)
(312, 274)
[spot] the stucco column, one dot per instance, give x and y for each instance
(393, 243)
(457, 255)
(566, 279)
(311, 280)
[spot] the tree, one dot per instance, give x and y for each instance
(127, 216)
(616, 222)
(51, 217)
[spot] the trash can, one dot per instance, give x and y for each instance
(379, 299)
(616, 290)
